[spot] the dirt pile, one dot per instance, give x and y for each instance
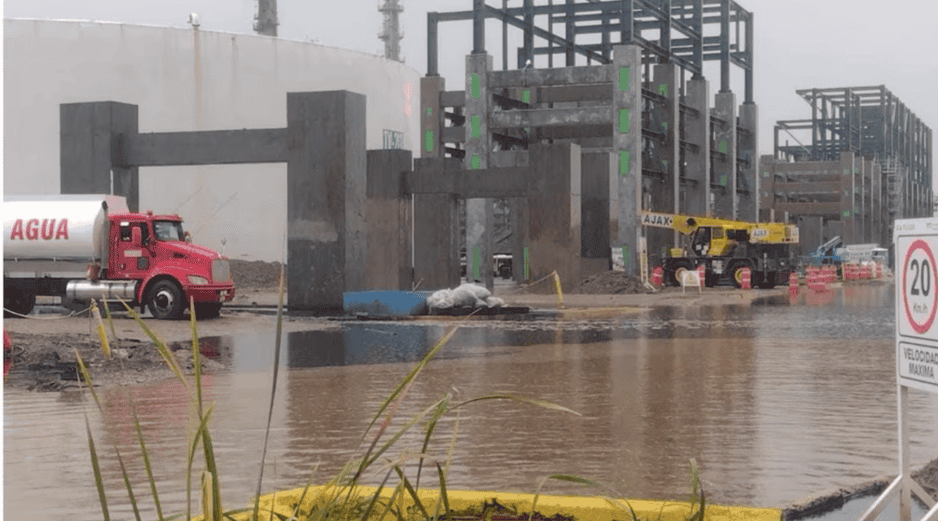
(611, 283)
(255, 274)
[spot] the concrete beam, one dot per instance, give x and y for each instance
(89, 146)
(830, 209)
(205, 147)
(551, 117)
(575, 132)
(453, 98)
(625, 178)
(564, 93)
(491, 182)
(828, 187)
(724, 167)
(326, 182)
(452, 135)
(555, 76)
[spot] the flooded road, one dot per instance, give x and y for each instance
(776, 401)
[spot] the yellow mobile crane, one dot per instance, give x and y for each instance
(724, 247)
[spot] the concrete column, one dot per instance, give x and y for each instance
(665, 196)
(748, 144)
(697, 132)
(326, 167)
(480, 219)
(90, 149)
(766, 175)
(431, 116)
(388, 220)
(724, 167)
(594, 202)
(553, 228)
(847, 201)
(436, 246)
(627, 150)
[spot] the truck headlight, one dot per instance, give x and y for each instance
(196, 280)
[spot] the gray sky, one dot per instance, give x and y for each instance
(798, 43)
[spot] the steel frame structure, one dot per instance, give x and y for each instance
(633, 21)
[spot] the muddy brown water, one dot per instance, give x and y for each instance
(777, 402)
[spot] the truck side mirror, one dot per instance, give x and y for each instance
(135, 235)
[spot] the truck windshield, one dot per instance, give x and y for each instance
(168, 231)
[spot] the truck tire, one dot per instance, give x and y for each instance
(19, 301)
(207, 310)
(736, 276)
(166, 301)
(673, 278)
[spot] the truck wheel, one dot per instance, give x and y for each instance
(20, 301)
(166, 300)
(207, 310)
(737, 276)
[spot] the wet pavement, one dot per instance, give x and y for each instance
(776, 401)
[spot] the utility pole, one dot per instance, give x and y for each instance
(265, 21)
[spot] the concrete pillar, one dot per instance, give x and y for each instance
(665, 196)
(697, 132)
(553, 229)
(326, 167)
(431, 116)
(627, 150)
(847, 201)
(724, 165)
(594, 202)
(766, 175)
(436, 245)
(388, 220)
(748, 144)
(90, 150)
(480, 219)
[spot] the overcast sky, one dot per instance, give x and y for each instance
(799, 44)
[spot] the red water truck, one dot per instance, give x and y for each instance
(82, 247)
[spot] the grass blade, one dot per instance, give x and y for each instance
(87, 378)
(99, 327)
(107, 314)
(273, 392)
(390, 505)
(196, 356)
(374, 498)
(207, 497)
(401, 387)
(411, 491)
(94, 454)
(523, 399)
(213, 470)
(443, 494)
(441, 409)
(146, 462)
(190, 456)
(167, 355)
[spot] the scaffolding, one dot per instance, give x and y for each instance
(391, 33)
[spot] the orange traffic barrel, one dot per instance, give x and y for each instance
(745, 278)
(702, 272)
(793, 284)
(657, 275)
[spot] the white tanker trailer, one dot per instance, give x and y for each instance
(80, 247)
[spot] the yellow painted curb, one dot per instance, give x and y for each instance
(588, 508)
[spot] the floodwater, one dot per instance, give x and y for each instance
(776, 402)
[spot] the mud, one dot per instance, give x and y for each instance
(611, 283)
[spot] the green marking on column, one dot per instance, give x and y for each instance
(527, 264)
(429, 111)
(623, 162)
(723, 147)
(625, 256)
(663, 89)
(723, 180)
(476, 262)
(665, 125)
(623, 79)
(476, 162)
(428, 141)
(846, 213)
(475, 126)
(765, 173)
(526, 95)
(664, 162)
(623, 121)
(474, 84)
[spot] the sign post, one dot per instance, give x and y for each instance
(916, 247)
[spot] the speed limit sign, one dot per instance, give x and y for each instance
(916, 243)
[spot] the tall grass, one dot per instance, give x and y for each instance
(339, 502)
